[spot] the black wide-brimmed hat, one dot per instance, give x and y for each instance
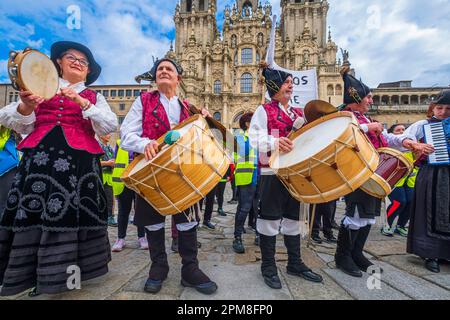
(58, 48)
(159, 61)
(443, 97)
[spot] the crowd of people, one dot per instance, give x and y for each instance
(59, 183)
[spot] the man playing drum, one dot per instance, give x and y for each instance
(279, 211)
(150, 117)
(362, 208)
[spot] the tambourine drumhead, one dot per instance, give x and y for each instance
(37, 73)
(312, 141)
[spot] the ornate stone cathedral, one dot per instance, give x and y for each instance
(221, 67)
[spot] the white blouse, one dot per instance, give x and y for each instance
(103, 120)
(131, 129)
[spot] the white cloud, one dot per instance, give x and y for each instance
(411, 41)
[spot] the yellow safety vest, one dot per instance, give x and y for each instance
(411, 179)
(122, 161)
(245, 164)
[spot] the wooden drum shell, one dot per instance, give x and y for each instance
(339, 169)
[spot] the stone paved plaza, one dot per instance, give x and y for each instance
(239, 277)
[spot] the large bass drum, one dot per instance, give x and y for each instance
(331, 158)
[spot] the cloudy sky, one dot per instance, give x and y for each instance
(387, 40)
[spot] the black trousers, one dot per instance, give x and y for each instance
(324, 214)
(246, 204)
(125, 201)
(218, 192)
(109, 199)
(276, 201)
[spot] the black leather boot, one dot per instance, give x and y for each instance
(268, 266)
(357, 253)
(191, 275)
(343, 256)
(295, 264)
(432, 265)
(160, 267)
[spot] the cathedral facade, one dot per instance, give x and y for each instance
(221, 68)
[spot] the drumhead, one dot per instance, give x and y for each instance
(376, 186)
(39, 75)
(313, 141)
(143, 163)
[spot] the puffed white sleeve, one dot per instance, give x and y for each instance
(415, 131)
(11, 118)
(103, 120)
(131, 130)
(258, 133)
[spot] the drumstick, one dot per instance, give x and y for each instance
(226, 134)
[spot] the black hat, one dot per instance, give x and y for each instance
(158, 62)
(274, 79)
(354, 90)
(58, 48)
(443, 97)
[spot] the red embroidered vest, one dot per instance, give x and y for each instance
(155, 121)
(377, 141)
(279, 124)
(60, 111)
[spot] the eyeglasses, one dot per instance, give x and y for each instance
(72, 59)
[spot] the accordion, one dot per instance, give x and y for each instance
(438, 135)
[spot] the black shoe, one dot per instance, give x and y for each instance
(205, 288)
(330, 239)
(33, 293)
(153, 286)
(316, 239)
(432, 265)
(221, 212)
(238, 246)
(334, 225)
(307, 274)
(256, 241)
(273, 281)
(174, 246)
(209, 225)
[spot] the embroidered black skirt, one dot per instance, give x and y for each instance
(429, 229)
(55, 218)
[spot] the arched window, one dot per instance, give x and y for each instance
(201, 5)
(247, 56)
(238, 117)
(338, 90)
(189, 5)
(330, 90)
(247, 9)
(217, 116)
(246, 83)
(217, 87)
